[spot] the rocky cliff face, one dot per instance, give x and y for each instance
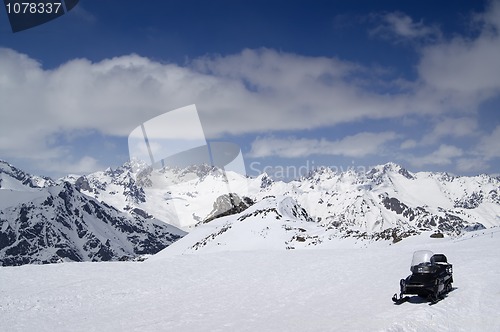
(228, 204)
(58, 223)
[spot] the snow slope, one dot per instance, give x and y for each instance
(337, 289)
(276, 223)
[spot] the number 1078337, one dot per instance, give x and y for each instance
(33, 7)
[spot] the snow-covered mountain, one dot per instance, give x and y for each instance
(15, 179)
(390, 198)
(45, 222)
(226, 211)
(181, 197)
(387, 202)
(273, 223)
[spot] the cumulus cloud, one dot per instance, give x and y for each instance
(450, 127)
(489, 145)
(399, 26)
(255, 91)
(408, 144)
(249, 92)
(444, 155)
(472, 165)
(83, 165)
(466, 66)
(358, 145)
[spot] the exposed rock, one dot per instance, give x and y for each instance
(228, 204)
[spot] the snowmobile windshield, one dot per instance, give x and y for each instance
(421, 256)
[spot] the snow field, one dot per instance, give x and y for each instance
(343, 289)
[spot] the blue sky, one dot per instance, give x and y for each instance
(294, 83)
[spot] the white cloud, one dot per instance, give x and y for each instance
(490, 19)
(444, 155)
(463, 66)
(358, 145)
(450, 127)
(65, 165)
(408, 144)
(399, 26)
(472, 160)
(470, 165)
(466, 66)
(489, 145)
(252, 92)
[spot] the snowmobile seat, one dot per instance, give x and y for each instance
(440, 261)
(439, 258)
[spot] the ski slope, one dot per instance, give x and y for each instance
(341, 288)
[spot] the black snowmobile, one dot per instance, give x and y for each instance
(431, 277)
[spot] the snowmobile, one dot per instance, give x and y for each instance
(431, 277)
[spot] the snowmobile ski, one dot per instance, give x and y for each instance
(400, 300)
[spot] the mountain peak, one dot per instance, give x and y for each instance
(14, 178)
(389, 167)
(265, 180)
(322, 171)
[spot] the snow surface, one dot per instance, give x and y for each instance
(336, 289)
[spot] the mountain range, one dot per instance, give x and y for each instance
(122, 213)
